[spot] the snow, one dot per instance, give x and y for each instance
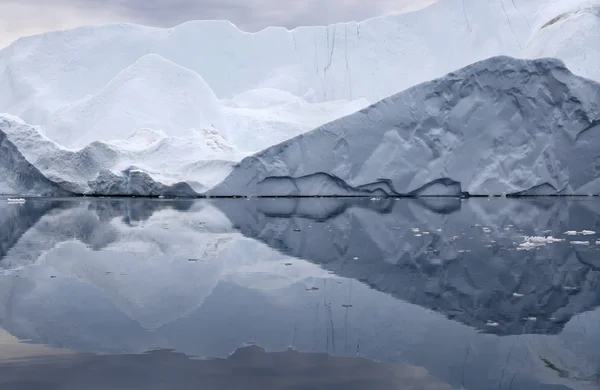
(499, 126)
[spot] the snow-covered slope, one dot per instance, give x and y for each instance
(499, 126)
(152, 93)
(569, 30)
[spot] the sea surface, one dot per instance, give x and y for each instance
(436, 293)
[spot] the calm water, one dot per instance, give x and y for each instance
(299, 294)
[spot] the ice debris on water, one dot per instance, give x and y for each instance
(531, 242)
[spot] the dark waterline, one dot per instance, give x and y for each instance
(456, 304)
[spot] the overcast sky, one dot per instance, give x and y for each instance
(27, 17)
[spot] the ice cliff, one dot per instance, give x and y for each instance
(499, 126)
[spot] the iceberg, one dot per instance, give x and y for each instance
(499, 126)
(124, 109)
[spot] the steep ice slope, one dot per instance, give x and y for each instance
(371, 59)
(569, 30)
(261, 118)
(147, 163)
(152, 93)
(499, 126)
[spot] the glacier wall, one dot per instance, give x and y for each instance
(499, 126)
(371, 59)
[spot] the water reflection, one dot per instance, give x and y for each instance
(438, 284)
(249, 367)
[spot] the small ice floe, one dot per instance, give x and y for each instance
(588, 232)
(570, 233)
(415, 230)
(355, 258)
(425, 232)
(531, 318)
(597, 242)
(569, 288)
(491, 323)
(417, 235)
(580, 242)
(517, 295)
(439, 230)
(15, 200)
(531, 242)
(486, 230)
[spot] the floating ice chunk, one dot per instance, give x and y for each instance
(580, 242)
(517, 295)
(571, 233)
(588, 232)
(531, 242)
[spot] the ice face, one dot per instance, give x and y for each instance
(500, 126)
(178, 110)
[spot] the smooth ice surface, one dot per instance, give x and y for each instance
(499, 126)
(345, 277)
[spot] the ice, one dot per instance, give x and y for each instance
(152, 93)
(165, 161)
(566, 29)
(136, 110)
(19, 176)
(499, 126)
(371, 59)
(532, 242)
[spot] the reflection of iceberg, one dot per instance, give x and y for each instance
(242, 290)
(463, 264)
(154, 265)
